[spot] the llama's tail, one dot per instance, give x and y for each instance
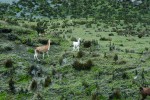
(35, 54)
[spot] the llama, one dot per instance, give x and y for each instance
(76, 45)
(144, 92)
(42, 49)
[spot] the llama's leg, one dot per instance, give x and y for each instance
(73, 48)
(38, 59)
(78, 48)
(47, 54)
(43, 55)
(144, 97)
(36, 56)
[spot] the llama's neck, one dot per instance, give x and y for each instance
(48, 45)
(78, 41)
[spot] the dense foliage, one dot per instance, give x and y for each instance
(99, 9)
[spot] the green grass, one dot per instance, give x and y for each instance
(71, 81)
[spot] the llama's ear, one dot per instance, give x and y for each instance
(141, 88)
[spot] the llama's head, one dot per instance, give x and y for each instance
(49, 41)
(79, 39)
(141, 88)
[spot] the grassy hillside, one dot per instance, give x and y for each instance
(112, 63)
(69, 80)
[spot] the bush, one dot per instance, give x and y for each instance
(9, 63)
(60, 60)
(140, 35)
(27, 41)
(12, 37)
(85, 84)
(73, 39)
(54, 72)
(30, 50)
(12, 21)
(6, 47)
(80, 54)
(82, 66)
(87, 44)
(115, 95)
(5, 30)
(32, 68)
(42, 41)
(41, 26)
(125, 75)
(105, 39)
(47, 81)
(94, 42)
(95, 96)
(33, 85)
(11, 85)
(69, 31)
(88, 25)
(23, 31)
(122, 62)
(110, 34)
(115, 57)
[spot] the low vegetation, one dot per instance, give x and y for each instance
(112, 62)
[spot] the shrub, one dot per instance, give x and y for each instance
(115, 95)
(88, 25)
(12, 21)
(47, 81)
(26, 25)
(42, 41)
(146, 48)
(77, 65)
(12, 37)
(105, 56)
(140, 35)
(82, 66)
(105, 39)
(115, 57)
(23, 31)
(33, 27)
(11, 85)
(30, 50)
(88, 64)
(85, 84)
(87, 44)
(33, 85)
(125, 75)
(32, 68)
(9, 63)
(94, 42)
(122, 62)
(69, 31)
(80, 54)
(110, 34)
(5, 30)
(73, 39)
(60, 60)
(6, 47)
(95, 96)
(54, 72)
(37, 96)
(27, 41)
(41, 26)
